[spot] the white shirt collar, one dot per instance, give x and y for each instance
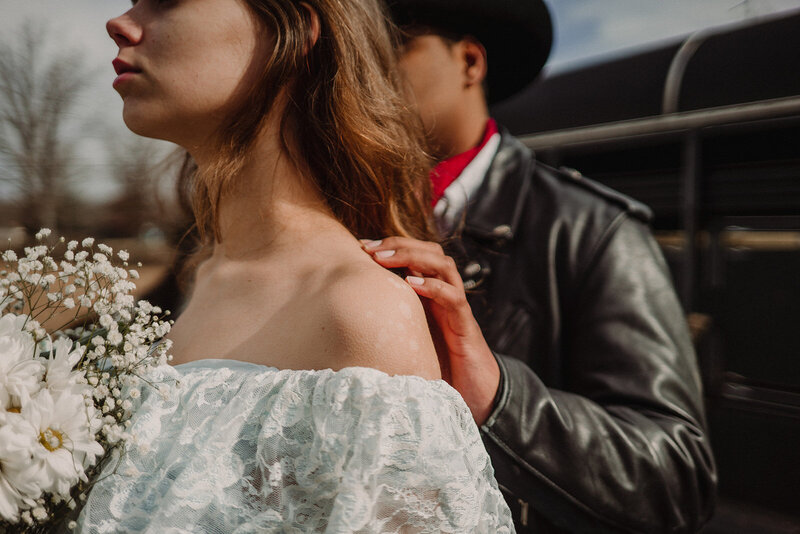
(456, 198)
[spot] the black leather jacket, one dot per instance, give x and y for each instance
(598, 425)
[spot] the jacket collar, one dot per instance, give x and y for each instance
(495, 210)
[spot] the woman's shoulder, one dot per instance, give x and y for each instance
(377, 321)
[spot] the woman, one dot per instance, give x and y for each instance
(306, 394)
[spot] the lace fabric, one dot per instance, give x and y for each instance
(239, 448)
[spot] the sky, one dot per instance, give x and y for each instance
(585, 31)
(588, 30)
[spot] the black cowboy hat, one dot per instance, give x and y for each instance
(517, 34)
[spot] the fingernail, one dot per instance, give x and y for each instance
(415, 280)
(373, 244)
(384, 254)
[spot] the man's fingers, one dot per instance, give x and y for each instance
(443, 294)
(421, 261)
(396, 242)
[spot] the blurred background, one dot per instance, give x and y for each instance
(690, 106)
(68, 163)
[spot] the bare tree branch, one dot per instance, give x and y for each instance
(37, 92)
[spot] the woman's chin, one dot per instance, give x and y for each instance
(144, 125)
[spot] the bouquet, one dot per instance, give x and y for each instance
(66, 395)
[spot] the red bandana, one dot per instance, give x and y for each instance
(446, 172)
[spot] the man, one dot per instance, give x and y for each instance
(589, 401)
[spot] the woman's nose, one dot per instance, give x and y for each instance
(124, 30)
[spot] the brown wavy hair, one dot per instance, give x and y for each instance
(346, 121)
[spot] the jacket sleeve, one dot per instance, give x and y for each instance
(622, 447)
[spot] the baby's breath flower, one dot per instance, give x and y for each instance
(41, 234)
(123, 255)
(10, 255)
(106, 320)
(105, 248)
(68, 303)
(88, 242)
(115, 338)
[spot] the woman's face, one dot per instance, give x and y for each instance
(182, 63)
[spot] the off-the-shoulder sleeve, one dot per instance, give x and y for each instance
(252, 449)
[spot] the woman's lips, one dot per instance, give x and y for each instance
(124, 70)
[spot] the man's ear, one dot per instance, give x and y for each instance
(475, 64)
(314, 27)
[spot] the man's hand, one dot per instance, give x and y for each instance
(466, 360)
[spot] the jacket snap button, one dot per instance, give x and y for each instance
(572, 173)
(503, 230)
(472, 269)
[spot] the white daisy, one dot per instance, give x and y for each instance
(20, 373)
(64, 444)
(59, 368)
(17, 489)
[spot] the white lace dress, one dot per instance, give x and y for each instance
(235, 447)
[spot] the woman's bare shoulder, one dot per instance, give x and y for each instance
(378, 321)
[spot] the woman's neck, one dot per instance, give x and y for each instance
(271, 206)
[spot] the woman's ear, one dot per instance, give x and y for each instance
(314, 27)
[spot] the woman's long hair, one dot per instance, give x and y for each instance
(345, 121)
